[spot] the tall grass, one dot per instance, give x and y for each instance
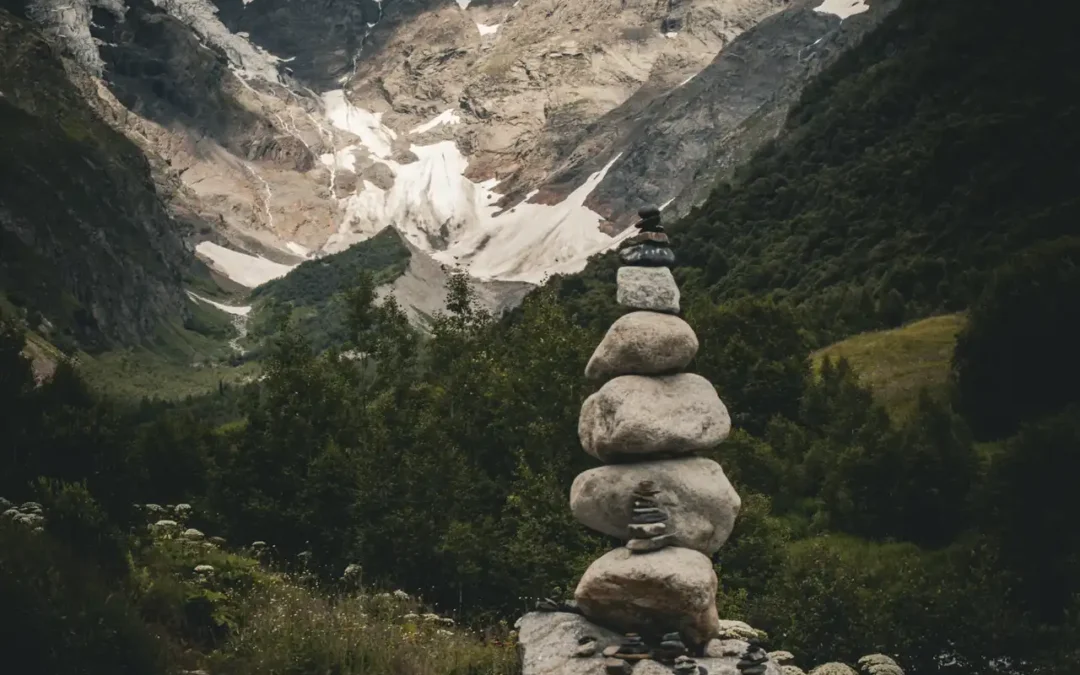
(292, 630)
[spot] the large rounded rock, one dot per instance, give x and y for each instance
(673, 589)
(670, 415)
(643, 343)
(699, 500)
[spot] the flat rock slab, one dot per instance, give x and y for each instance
(649, 288)
(643, 343)
(673, 589)
(547, 641)
(633, 416)
(699, 500)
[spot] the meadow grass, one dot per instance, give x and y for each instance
(896, 364)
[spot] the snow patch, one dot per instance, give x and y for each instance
(464, 4)
(488, 30)
(437, 209)
(366, 125)
(446, 117)
(299, 250)
(842, 8)
(235, 310)
(666, 204)
(688, 79)
(247, 270)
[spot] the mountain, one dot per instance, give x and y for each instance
(513, 139)
(88, 243)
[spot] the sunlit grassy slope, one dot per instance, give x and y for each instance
(896, 364)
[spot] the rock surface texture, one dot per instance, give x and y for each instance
(643, 343)
(699, 500)
(644, 417)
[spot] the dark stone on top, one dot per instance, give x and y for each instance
(649, 211)
(658, 238)
(652, 517)
(585, 639)
(648, 255)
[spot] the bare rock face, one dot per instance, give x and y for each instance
(697, 497)
(643, 343)
(549, 639)
(673, 589)
(647, 288)
(637, 417)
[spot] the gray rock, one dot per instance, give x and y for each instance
(648, 288)
(699, 500)
(669, 589)
(643, 343)
(548, 640)
(645, 530)
(633, 416)
(651, 544)
(834, 668)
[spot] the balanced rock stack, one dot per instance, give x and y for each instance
(646, 423)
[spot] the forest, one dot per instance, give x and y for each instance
(926, 172)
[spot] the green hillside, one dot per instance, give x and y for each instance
(897, 364)
(312, 294)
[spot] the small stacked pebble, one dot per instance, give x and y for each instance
(754, 660)
(646, 423)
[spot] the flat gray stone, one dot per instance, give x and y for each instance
(673, 589)
(643, 343)
(633, 416)
(697, 497)
(649, 288)
(548, 641)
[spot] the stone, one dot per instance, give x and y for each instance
(834, 668)
(647, 288)
(725, 648)
(648, 254)
(648, 516)
(700, 503)
(673, 588)
(547, 642)
(585, 650)
(615, 666)
(658, 238)
(752, 669)
(643, 343)
(638, 418)
(652, 544)
(645, 530)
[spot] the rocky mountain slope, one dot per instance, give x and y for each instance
(512, 138)
(87, 244)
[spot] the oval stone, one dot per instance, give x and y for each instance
(700, 502)
(632, 417)
(643, 343)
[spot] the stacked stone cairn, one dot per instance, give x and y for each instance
(649, 606)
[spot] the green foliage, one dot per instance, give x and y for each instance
(755, 353)
(1030, 504)
(61, 617)
(1017, 360)
(314, 293)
